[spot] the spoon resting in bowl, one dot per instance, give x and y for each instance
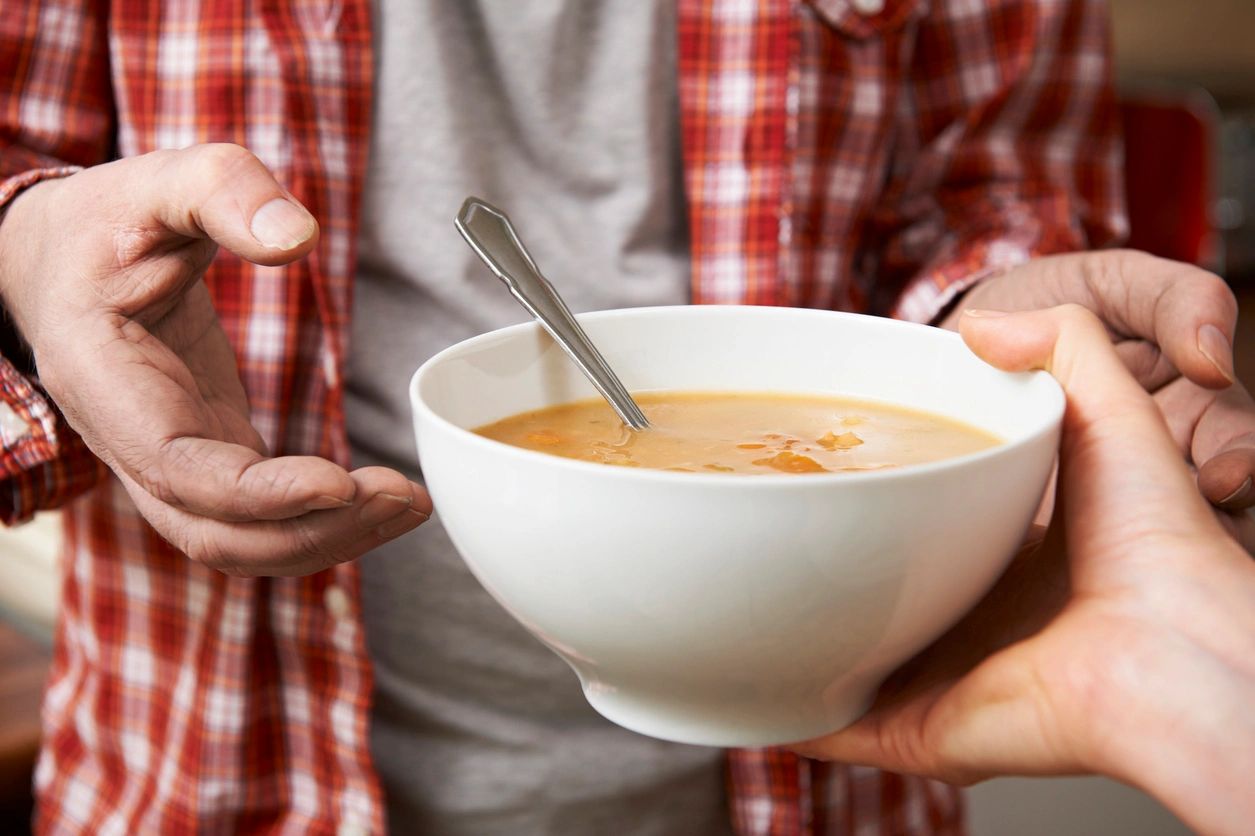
(492, 237)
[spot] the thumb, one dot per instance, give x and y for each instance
(1119, 468)
(223, 192)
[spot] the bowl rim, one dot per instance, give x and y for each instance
(1051, 423)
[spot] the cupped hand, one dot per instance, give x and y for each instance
(1173, 325)
(102, 273)
(1123, 644)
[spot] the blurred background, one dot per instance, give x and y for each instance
(1187, 85)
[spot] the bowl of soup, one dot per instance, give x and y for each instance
(820, 496)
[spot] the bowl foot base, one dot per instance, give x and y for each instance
(728, 726)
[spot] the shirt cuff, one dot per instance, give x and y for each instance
(28, 440)
(929, 296)
(43, 463)
(13, 186)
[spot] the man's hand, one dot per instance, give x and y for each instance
(1173, 327)
(102, 273)
(1124, 644)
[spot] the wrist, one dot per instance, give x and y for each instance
(1180, 726)
(1199, 774)
(19, 228)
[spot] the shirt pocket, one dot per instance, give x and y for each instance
(864, 19)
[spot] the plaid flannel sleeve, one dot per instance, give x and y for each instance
(1017, 152)
(56, 115)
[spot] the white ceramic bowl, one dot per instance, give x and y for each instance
(725, 610)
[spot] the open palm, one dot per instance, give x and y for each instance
(129, 345)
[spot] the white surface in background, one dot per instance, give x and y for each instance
(1006, 807)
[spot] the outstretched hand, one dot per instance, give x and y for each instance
(102, 273)
(1123, 644)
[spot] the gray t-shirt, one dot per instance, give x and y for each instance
(563, 112)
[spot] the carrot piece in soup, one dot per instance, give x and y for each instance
(544, 438)
(787, 462)
(839, 442)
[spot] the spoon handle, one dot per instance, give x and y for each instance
(492, 237)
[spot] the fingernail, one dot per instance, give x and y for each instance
(326, 503)
(1215, 346)
(1239, 494)
(411, 519)
(382, 507)
(977, 313)
(282, 225)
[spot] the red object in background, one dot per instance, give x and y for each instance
(1171, 145)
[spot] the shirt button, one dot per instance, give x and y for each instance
(868, 7)
(336, 601)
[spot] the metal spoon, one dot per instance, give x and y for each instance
(492, 237)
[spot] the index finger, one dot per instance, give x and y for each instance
(1189, 313)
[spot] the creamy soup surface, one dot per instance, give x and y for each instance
(744, 433)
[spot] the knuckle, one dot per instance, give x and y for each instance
(211, 547)
(1116, 276)
(1215, 289)
(221, 161)
(1130, 260)
(1077, 315)
(193, 541)
(1129, 257)
(153, 468)
(305, 542)
(154, 480)
(904, 748)
(309, 546)
(1196, 291)
(213, 553)
(155, 164)
(1126, 268)
(160, 157)
(1110, 269)
(1146, 362)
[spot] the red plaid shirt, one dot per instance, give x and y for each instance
(874, 155)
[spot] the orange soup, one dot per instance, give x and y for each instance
(744, 433)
